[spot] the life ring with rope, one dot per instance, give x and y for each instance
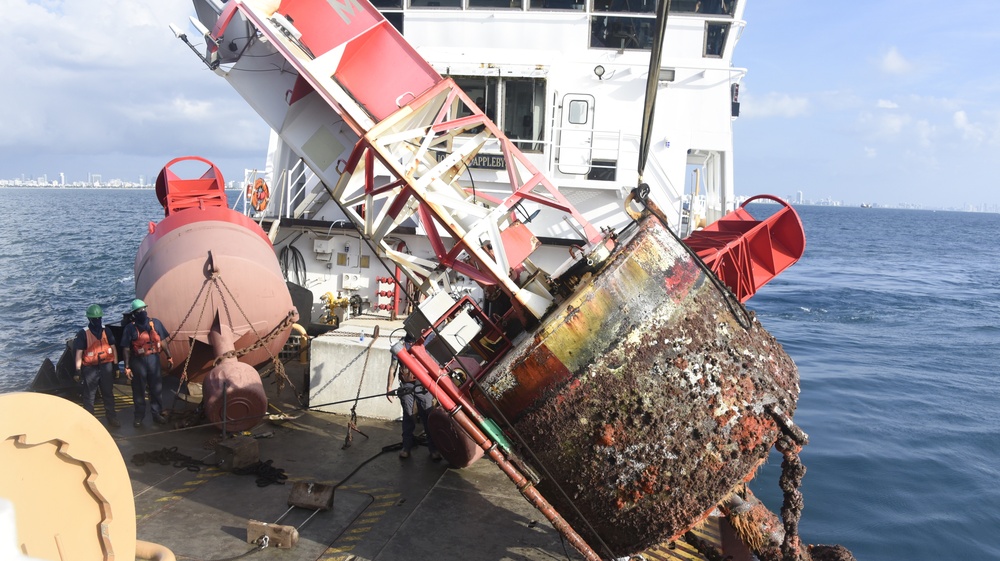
(259, 195)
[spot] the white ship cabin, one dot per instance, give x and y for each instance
(566, 80)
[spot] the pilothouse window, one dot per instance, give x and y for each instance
(621, 32)
(715, 38)
(635, 32)
(496, 4)
(556, 5)
(628, 6)
(436, 4)
(516, 105)
(708, 7)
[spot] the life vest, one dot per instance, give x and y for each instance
(147, 342)
(98, 351)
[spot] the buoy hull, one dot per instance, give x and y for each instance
(234, 396)
(201, 262)
(645, 397)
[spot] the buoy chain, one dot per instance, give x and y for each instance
(265, 472)
(792, 472)
(168, 457)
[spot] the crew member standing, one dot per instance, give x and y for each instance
(415, 399)
(142, 345)
(95, 361)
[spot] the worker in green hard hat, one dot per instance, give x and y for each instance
(96, 358)
(142, 344)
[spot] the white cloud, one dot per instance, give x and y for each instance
(886, 104)
(886, 124)
(776, 105)
(933, 103)
(925, 132)
(993, 127)
(970, 131)
(893, 62)
(89, 78)
(870, 152)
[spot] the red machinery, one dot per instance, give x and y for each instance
(746, 253)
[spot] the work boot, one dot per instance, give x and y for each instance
(113, 423)
(158, 419)
(404, 454)
(137, 423)
(435, 456)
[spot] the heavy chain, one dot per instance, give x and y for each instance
(261, 342)
(352, 425)
(201, 314)
(790, 443)
(168, 457)
(792, 472)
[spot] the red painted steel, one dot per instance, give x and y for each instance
(746, 253)
(205, 259)
(533, 186)
(377, 66)
(350, 42)
(234, 393)
(433, 377)
(176, 194)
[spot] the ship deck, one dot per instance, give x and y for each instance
(384, 508)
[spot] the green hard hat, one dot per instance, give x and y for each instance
(94, 311)
(138, 304)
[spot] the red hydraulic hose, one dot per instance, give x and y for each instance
(440, 390)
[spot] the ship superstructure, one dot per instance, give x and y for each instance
(565, 82)
(538, 310)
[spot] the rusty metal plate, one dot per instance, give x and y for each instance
(644, 396)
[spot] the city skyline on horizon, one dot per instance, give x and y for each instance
(796, 198)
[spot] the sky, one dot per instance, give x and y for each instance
(101, 86)
(877, 101)
(874, 101)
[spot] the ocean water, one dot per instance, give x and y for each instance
(62, 250)
(893, 317)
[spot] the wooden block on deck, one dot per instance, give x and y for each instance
(282, 537)
(237, 452)
(311, 496)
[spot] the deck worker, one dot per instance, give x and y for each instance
(415, 399)
(96, 359)
(142, 346)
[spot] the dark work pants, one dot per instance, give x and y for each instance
(416, 402)
(146, 377)
(101, 376)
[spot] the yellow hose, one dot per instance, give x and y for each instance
(149, 551)
(303, 342)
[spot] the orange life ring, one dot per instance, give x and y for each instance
(260, 195)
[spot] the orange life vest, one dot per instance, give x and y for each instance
(147, 342)
(98, 351)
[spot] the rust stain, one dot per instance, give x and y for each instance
(644, 397)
